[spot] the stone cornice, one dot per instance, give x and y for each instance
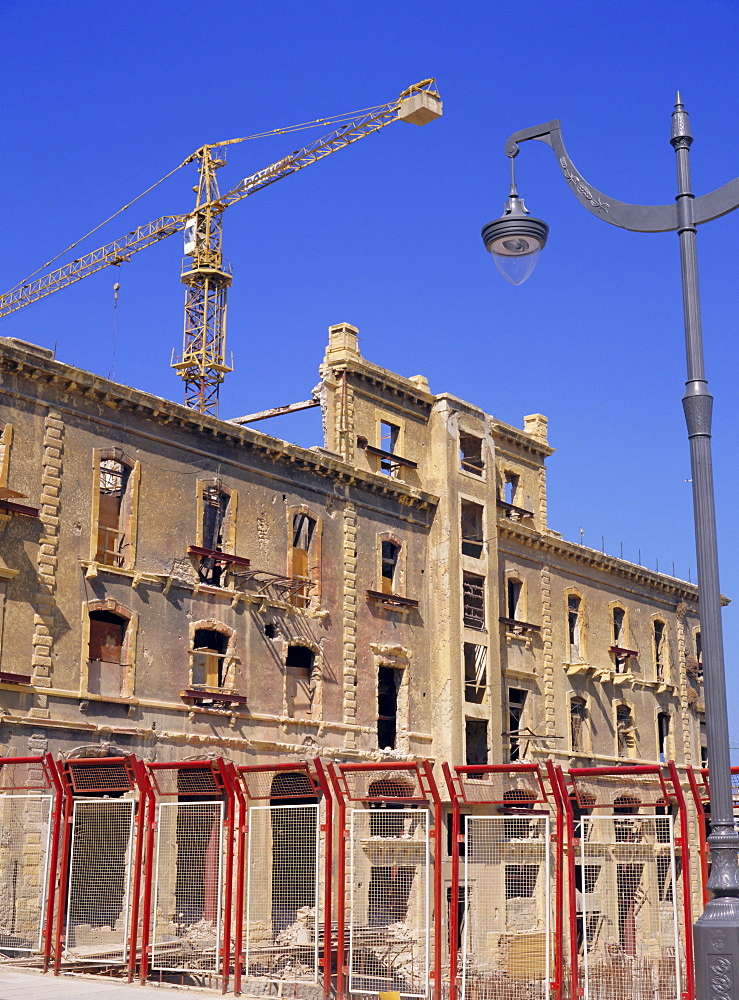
(585, 556)
(27, 364)
(377, 376)
(520, 438)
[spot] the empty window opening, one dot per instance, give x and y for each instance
(389, 824)
(198, 834)
(582, 805)
(514, 593)
(216, 516)
(662, 823)
(586, 879)
(387, 707)
(520, 880)
(303, 556)
(518, 823)
(628, 882)
(663, 736)
(389, 556)
(510, 488)
(658, 637)
(470, 454)
(463, 895)
(105, 667)
(388, 893)
(293, 848)
(209, 658)
(472, 536)
(473, 590)
(389, 434)
(101, 863)
(664, 877)
(475, 673)
(626, 831)
(270, 630)
(114, 513)
(450, 833)
(516, 704)
(617, 619)
(574, 627)
(625, 731)
(476, 741)
(577, 723)
(699, 652)
(301, 681)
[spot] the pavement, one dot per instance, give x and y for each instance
(30, 984)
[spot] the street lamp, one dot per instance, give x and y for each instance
(716, 932)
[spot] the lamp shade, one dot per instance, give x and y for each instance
(515, 240)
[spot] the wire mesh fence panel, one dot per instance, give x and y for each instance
(100, 880)
(283, 893)
(25, 828)
(389, 901)
(506, 929)
(188, 880)
(628, 890)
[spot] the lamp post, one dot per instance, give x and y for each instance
(516, 237)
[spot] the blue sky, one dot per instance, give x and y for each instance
(100, 100)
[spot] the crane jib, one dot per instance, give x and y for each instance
(203, 363)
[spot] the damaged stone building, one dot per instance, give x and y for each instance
(173, 584)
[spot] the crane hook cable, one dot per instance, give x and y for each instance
(333, 119)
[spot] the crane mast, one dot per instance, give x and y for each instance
(206, 276)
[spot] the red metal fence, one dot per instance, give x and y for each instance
(348, 879)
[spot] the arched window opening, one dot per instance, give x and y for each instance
(660, 648)
(115, 492)
(625, 732)
(577, 723)
(663, 736)
(390, 885)
(388, 681)
(574, 627)
(294, 847)
(215, 531)
(626, 831)
(209, 658)
(618, 627)
(390, 557)
(303, 557)
(516, 705)
(105, 670)
(301, 681)
(517, 826)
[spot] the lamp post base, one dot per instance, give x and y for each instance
(716, 939)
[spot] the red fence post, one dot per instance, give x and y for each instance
(558, 881)
(54, 835)
(454, 907)
(328, 868)
(341, 885)
(242, 819)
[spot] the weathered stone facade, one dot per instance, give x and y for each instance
(399, 584)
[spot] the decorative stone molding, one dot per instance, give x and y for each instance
(46, 557)
(349, 617)
(548, 656)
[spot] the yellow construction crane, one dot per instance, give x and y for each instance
(205, 274)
